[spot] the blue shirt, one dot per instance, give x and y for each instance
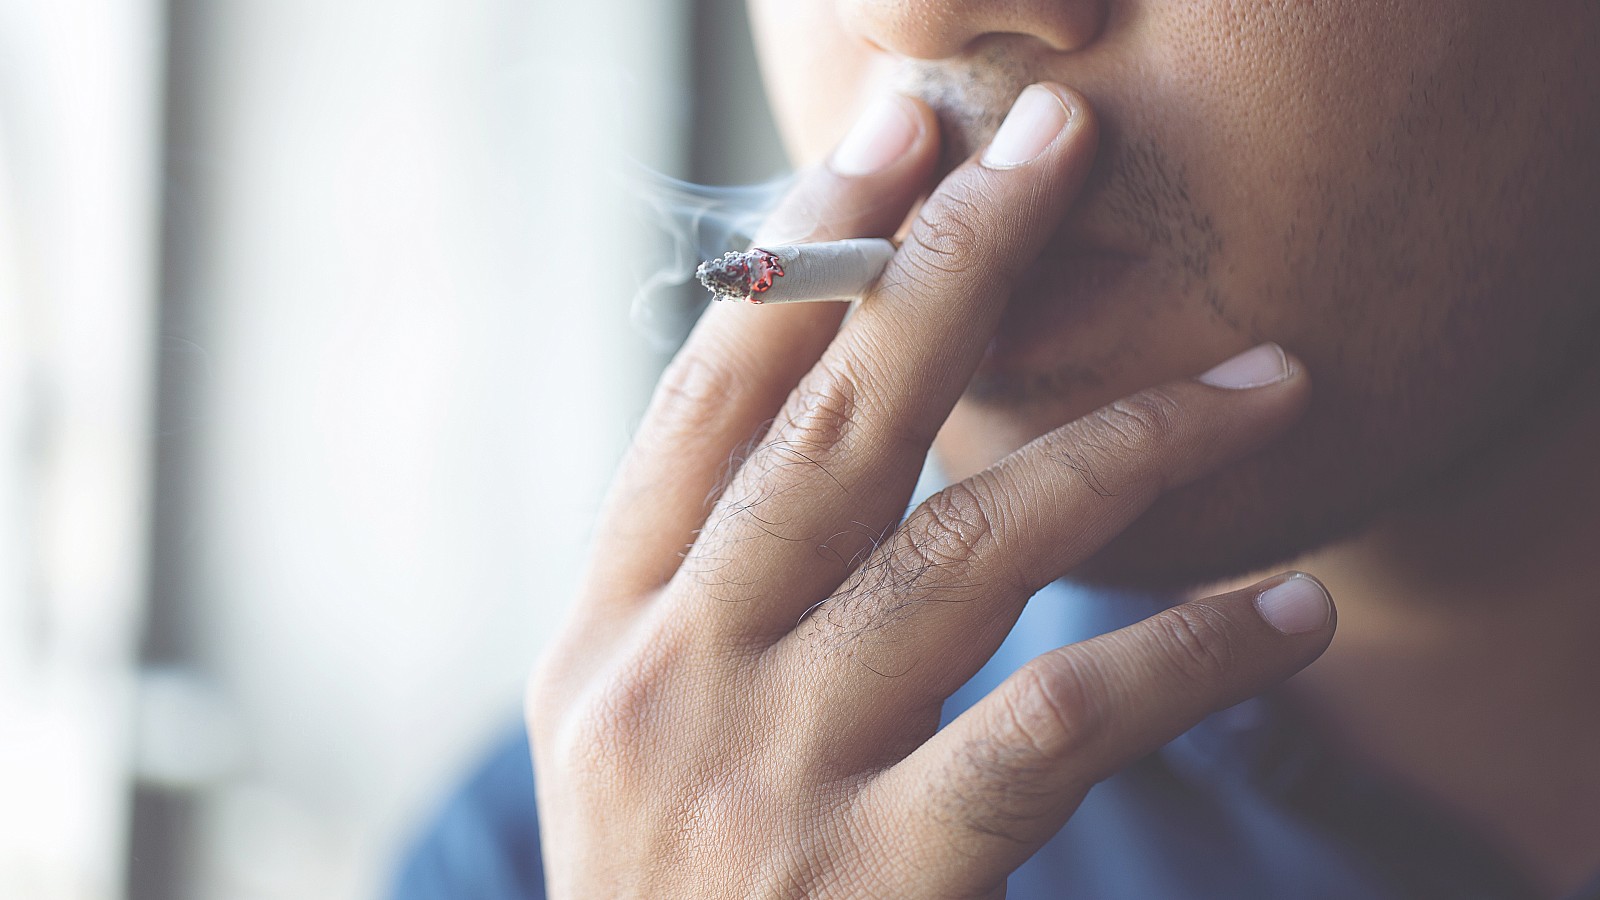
(1247, 804)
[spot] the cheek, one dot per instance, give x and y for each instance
(817, 75)
(1378, 197)
(1278, 113)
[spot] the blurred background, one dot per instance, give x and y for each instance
(315, 358)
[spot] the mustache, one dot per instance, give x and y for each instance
(970, 98)
(1137, 194)
(1137, 199)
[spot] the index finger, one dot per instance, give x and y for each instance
(740, 362)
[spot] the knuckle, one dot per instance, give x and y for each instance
(1111, 448)
(952, 526)
(822, 412)
(1139, 422)
(802, 446)
(954, 530)
(604, 733)
(1048, 715)
(1198, 641)
(693, 394)
(547, 697)
(607, 737)
(932, 555)
(947, 231)
(541, 697)
(832, 413)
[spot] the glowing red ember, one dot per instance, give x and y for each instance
(741, 276)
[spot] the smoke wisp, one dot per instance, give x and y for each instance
(693, 223)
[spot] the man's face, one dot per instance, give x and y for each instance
(1401, 192)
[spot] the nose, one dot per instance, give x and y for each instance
(939, 29)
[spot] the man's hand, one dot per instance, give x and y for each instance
(757, 715)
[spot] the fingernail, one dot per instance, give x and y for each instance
(1034, 121)
(1296, 606)
(882, 135)
(1256, 367)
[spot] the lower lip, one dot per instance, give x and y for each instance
(1053, 303)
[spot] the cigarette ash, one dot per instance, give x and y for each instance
(740, 276)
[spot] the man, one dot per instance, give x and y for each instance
(1395, 199)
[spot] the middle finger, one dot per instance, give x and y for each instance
(836, 469)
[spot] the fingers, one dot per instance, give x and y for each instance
(840, 461)
(740, 362)
(1000, 780)
(939, 596)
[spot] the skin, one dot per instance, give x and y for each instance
(1400, 194)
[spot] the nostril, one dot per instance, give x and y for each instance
(874, 46)
(941, 30)
(1072, 41)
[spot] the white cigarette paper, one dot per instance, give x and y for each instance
(798, 273)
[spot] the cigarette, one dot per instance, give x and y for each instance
(798, 273)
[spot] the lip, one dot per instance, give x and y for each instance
(1057, 299)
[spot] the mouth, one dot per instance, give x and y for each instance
(1133, 234)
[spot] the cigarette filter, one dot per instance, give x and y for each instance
(798, 273)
